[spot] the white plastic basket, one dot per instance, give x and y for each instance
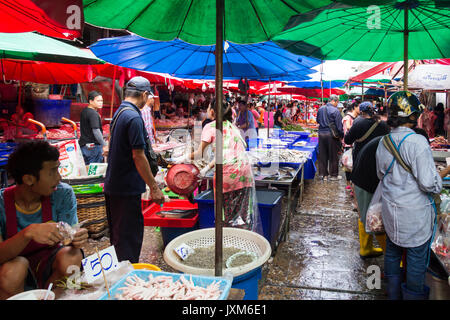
(232, 237)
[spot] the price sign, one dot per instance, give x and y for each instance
(184, 251)
(92, 267)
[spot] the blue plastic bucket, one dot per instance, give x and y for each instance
(249, 283)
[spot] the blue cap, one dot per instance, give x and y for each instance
(139, 84)
(366, 106)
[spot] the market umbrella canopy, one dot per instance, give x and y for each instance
(245, 21)
(185, 60)
(25, 16)
(310, 92)
(32, 46)
(46, 72)
(373, 33)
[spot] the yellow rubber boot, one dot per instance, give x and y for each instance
(366, 249)
(382, 241)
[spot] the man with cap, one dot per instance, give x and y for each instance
(129, 172)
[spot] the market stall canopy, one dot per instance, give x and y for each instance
(317, 84)
(245, 21)
(32, 46)
(430, 77)
(371, 33)
(124, 74)
(372, 72)
(17, 16)
(311, 92)
(46, 72)
(185, 60)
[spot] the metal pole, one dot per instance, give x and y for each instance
(405, 50)
(219, 138)
(362, 90)
(113, 91)
(321, 82)
(268, 113)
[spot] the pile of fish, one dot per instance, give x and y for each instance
(278, 155)
(280, 174)
(164, 288)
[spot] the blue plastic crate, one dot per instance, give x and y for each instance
(269, 206)
(203, 281)
(50, 112)
(168, 233)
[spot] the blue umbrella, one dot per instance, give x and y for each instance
(181, 59)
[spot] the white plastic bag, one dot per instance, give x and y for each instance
(347, 159)
(71, 160)
(374, 220)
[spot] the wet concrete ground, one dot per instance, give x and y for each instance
(319, 259)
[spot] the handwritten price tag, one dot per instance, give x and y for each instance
(92, 267)
(184, 251)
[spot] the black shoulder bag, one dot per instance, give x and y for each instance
(152, 157)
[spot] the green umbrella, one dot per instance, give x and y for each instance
(32, 46)
(375, 33)
(194, 21)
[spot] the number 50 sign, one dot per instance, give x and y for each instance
(93, 266)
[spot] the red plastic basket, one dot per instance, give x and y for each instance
(151, 219)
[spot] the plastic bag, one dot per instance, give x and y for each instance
(71, 160)
(374, 220)
(347, 159)
(240, 205)
(97, 288)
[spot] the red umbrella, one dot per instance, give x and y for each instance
(310, 92)
(25, 16)
(46, 72)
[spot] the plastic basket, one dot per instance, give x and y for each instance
(203, 281)
(232, 237)
(145, 266)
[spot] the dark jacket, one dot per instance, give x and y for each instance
(334, 115)
(364, 173)
(358, 130)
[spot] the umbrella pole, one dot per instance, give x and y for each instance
(219, 137)
(405, 50)
(268, 113)
(113, 91)
(321, 80)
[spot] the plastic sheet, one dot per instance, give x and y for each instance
(97, 288)
(239, 192)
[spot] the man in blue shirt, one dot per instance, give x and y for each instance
(128, 172)
(328, 145)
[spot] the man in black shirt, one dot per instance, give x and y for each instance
(91, 139)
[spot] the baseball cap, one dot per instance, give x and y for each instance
(366, 106)
(139, 84)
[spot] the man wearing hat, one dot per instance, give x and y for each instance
(129, 172)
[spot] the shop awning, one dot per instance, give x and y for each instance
(371, 72)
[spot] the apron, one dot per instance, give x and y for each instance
(37, 254)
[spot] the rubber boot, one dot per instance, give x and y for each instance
(366, 249)
(382, 241)
(409, 295)
(393, 288)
